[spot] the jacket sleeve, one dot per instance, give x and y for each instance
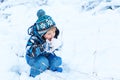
(34, 48)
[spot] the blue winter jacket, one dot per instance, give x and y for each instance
(35, 48)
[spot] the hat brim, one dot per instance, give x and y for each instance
(42, 32)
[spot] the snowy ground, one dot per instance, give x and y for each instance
(91, 40)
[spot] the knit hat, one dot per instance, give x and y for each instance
(44, 22)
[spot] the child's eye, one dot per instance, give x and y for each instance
(49, 33)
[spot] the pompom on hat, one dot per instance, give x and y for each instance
(40, 13)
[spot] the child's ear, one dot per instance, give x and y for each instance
(56, 32)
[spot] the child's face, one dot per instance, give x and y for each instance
(50, 34)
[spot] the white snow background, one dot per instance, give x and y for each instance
(91, 39)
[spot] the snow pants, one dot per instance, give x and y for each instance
(42, 63)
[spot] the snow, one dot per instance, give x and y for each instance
(90, 40)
